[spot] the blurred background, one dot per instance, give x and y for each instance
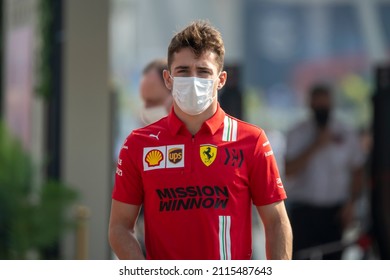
(69, 95)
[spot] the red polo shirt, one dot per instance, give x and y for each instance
(197, 191)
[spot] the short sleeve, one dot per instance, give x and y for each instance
(266, 185)
(128, 182)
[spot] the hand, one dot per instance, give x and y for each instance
(324, 136)
(347, 214)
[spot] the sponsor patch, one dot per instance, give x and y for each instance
(171, 156)
(208, 153)
(154, 157)
(175, 156)
(234, 157)
(193, 197)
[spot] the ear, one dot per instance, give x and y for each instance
(222, 79)
(167, 80)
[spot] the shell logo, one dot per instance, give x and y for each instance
(154, 157)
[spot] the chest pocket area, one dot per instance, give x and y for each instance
(339, 156)
(163, 178)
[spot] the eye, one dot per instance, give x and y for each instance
(182, 72)
(204, 73)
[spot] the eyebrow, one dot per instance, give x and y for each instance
(183, 67)
(204, 68)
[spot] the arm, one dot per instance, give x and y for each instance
(121, 231)
(356, 187)
(278, 233)
(356, 183)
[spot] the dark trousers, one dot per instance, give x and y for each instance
(315, 226)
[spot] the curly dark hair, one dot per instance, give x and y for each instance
(200, 36)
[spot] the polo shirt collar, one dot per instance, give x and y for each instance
(212, 124)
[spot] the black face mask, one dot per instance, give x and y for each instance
(321, 116)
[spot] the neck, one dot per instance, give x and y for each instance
(194, 123)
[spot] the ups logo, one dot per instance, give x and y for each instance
(175, 155)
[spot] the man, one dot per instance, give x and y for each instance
(324, 177)
(157, 101)
(156, 97)
(197, 171)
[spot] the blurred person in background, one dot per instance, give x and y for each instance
(156, 97)
(197, 171)
(157, 102)
(324, 177)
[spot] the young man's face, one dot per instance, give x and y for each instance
(186, 64)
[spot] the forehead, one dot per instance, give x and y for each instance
(187, 58)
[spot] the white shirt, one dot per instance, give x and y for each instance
(325, 180)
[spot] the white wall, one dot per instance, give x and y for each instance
(86, 161)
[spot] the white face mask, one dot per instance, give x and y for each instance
(193, 95)
(153, 114)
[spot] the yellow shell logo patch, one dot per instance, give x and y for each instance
(154, 157)
(208, 153)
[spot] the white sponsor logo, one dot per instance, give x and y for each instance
(155, 135)
(154, 157)
(124, 146)
(175, 156)
(267, 154)
(171, 156)
(265, 143)
(279, 183)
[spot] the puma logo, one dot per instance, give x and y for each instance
(155, 135)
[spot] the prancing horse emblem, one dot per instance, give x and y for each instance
(208, 153)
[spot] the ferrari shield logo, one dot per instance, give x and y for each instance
(208, 153)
